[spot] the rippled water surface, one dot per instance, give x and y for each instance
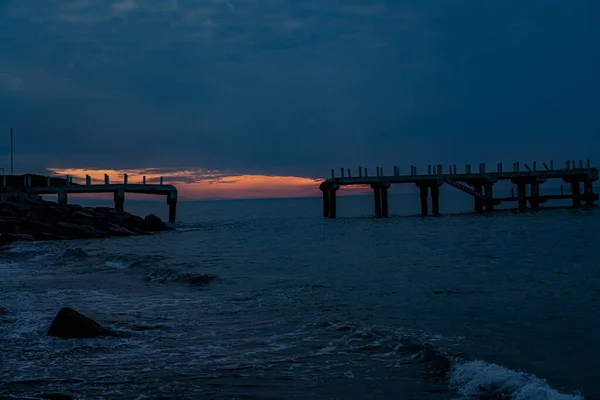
(266, 299)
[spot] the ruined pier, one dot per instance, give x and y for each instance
(479, 185)
(62, 187)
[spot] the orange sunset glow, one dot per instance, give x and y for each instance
(209, 184)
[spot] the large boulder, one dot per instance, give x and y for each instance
(154, 224)
(69, 324)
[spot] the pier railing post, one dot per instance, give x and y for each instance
(106, 180)
(500, 167)
(468, 168)
(162, 180)
(332, 173)
(47, 181)
(522, 196)
(144, 179)
(384, 200)
(125, 178)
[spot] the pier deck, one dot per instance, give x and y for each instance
(63, 187)
(479, 185)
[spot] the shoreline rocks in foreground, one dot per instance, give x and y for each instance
(31, 218)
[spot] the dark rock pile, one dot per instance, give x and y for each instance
(28, 219)
(70, 324)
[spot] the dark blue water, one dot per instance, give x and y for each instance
(303, 307)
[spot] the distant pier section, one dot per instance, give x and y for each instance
(479, 184)
(62, 187)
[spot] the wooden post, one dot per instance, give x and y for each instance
(435, 199)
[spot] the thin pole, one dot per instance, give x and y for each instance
(11, 152)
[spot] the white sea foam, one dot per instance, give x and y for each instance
(118, 264)
(475, 378)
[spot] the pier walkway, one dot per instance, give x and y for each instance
(477, 184)
(64, 186)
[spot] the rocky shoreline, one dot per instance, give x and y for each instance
(26, 217)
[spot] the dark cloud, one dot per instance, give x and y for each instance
(297, 87)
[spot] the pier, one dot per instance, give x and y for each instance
(479, 185)
(62, 187)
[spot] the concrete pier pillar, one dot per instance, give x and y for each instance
(435, 199)
(119, 196)
(325, 202)
(535, 196)
(62, 197)
(106, 181)
(125, 178)
(332, 202)
(576, 194)
(489, 196)
(424, 191)
(588, 193)
(384, 202)
(478, 187)
(88, 180)
(522, 196)
(172, 203)
(377, 199)
(144, 179)
(162, 180)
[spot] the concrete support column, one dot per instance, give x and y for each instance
(325, 202)
(478, 199)
(119, 199)
(576, 194)
(385, 213)
(172, 203)
(435, 199)
(424, 192)
(535, 196)
(377, 199)
(62, 197)
(489, 196)
(333, 202)
(522, 196)
(588, 192)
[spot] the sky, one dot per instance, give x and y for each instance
(261, 98)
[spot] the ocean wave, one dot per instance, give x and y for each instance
(473, 379)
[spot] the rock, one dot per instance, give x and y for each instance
(154, 224)
(69, 324)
